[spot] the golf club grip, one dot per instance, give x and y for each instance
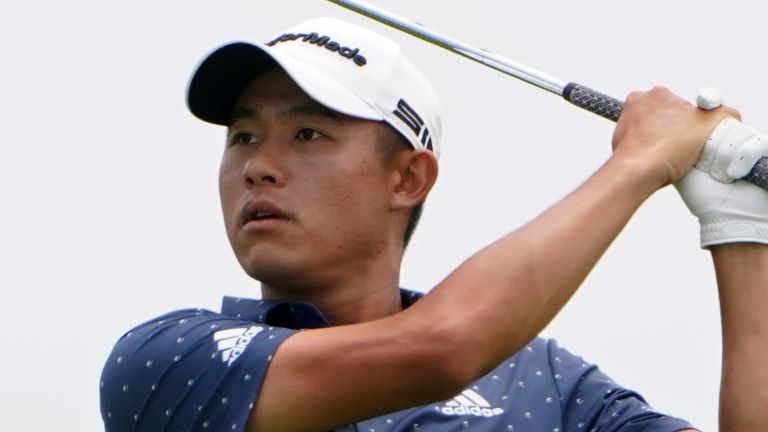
(610, 108)
(594, 101)
(759, 174)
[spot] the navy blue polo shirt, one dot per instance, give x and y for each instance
(196, 370)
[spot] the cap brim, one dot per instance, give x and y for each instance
(218, 82)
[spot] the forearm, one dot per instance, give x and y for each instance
(742, 276)
(504, 295)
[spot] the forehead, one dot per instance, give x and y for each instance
(274, 82)
(277, 91)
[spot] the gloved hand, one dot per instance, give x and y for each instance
(729, 210)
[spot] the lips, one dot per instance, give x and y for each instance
(262, 211)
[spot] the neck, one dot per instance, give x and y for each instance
(360, 294)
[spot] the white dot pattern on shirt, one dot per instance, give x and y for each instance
(151, 363)
(562, 370)
(525, 379)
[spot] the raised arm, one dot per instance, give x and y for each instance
(734, 223)
(515, 287)
(742, 277)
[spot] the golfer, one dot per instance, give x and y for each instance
(332, 146)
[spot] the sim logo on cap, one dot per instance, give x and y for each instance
(413, 120)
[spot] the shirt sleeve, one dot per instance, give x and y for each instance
(593, 402)
(189, 370)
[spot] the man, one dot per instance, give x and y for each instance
(332, 146)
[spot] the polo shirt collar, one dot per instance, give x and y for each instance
(287, 314)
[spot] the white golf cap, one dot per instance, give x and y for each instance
(345, 67)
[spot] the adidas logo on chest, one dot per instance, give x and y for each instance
(470, 403)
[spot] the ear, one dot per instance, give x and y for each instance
(417, 173)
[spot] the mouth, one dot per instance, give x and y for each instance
(262, 214)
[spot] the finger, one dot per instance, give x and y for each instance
(731, 112)
(714, 144)
(709, 98)
(727, 150)
(747, 156)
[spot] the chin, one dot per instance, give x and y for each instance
(274, 270)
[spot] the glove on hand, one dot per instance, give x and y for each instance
(729, 211)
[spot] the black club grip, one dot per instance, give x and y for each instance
(610, 108)
(759, 174)
(594, 101)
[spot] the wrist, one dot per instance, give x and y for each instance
(741, 254)
(640, 177)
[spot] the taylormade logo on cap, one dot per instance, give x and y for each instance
(322, 41)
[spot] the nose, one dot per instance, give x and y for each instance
(265, 166)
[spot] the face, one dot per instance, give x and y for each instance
(305, 193)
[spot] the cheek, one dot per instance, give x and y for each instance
(355, 196)
(229, 183)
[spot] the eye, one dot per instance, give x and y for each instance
(308, 134)
(243, 138)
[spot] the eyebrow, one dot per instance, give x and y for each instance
(302, 109)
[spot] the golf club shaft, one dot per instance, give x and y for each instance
(579, 95)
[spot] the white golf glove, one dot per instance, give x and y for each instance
(729, 210)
